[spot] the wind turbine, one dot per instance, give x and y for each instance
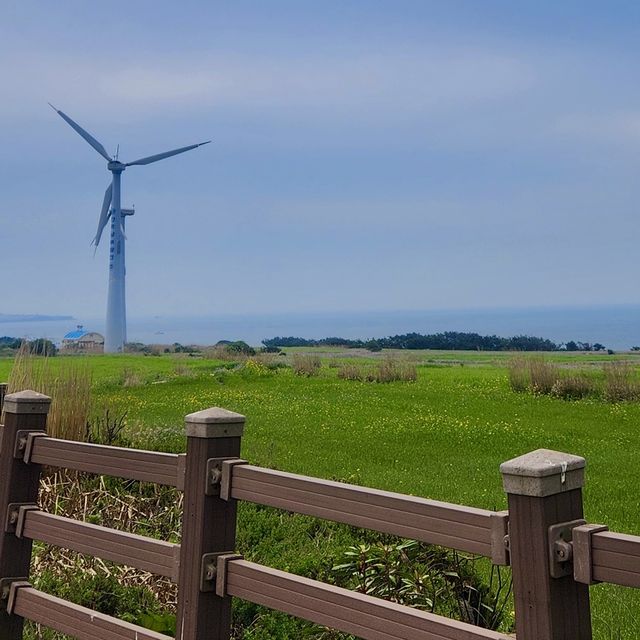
(116, 333)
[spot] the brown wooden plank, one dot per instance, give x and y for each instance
(133, 464)
(367, 617)
(136, 551)
(464, 528)
(616, 558)
(75, 620)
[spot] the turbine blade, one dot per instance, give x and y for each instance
(104, 215)
(85, 134)
(166, 154)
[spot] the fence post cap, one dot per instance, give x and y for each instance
(27, 402)
(543, 473)
(214, 423)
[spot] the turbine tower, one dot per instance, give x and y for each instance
(116, 329)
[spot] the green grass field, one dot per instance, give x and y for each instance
(442, 437)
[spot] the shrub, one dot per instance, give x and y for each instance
(424, 577)
(306, 365)
(619, 383)
(231, 351)
(240, 347)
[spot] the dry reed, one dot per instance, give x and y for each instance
(68, 384)
(619, 382)
(573, 387)
(350, 371)
(543, 375)
(519, 377)
(306, 365)
(389, 370)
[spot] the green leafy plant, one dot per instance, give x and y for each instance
(424, 577)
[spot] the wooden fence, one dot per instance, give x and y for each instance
(554, 554)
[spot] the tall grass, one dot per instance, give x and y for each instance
(306, 365)
(518, 370)
(619, 382)
(539, 376)
(542, 375)
(389, 370)
(574, 387)
(68, 386)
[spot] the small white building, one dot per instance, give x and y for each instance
(81, 341)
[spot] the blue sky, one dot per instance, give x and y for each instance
(366, 155)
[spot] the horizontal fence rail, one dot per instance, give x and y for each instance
(467, 529)
(132, 464)
(74, 620)
(553, 552)
(139, 552)
(616, 558)
(362, 615)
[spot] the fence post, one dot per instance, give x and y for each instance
(24, 411)
(208, 523)
(544, 489)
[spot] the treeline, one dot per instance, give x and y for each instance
(448, 340)
(40, 346)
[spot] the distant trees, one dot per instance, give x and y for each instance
(10, 343)
(38, 347)
(446, 341)
(572, 345)
(42, 347)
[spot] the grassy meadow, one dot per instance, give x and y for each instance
(442, 436)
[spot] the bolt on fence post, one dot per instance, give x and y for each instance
(544, 489)
(24, 411)
(208, 523)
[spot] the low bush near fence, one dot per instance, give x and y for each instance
(424, 577)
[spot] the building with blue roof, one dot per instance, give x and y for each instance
(81, 341)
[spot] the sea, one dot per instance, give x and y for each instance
(616, 327)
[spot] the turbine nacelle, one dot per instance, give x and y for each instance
(115, 166)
